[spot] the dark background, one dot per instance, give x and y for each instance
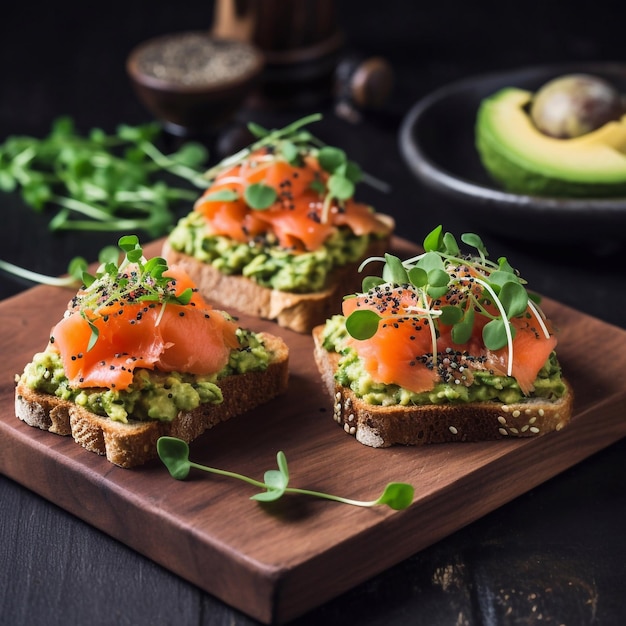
(553, 556)
(69, 59)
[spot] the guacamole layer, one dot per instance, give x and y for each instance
(153, 395)
(485, 386)
(264, 262)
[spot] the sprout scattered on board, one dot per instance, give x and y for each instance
(174, 453)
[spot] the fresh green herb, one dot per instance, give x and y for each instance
(222, 195)
(174, 453)
(101, 182)
(134, 279)
(259, 196)
(478, 284)
(75, 271)
(292, 144)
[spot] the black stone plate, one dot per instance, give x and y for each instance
(437, 143)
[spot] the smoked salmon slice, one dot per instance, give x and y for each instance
(401, 351)
(299, 219)
(192, 338)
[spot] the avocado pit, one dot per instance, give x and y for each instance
(574, 105)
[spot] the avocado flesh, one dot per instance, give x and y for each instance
(524, 160)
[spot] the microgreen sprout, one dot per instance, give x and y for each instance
(133, 279)
(174, 453)
(101, 182)
(75, 271)
(450, 288)
(292, 144)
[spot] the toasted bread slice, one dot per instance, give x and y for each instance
(132, 444)
(299, 312)
(384, 426)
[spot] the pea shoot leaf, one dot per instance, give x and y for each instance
(514, 299)
(340, 187)
(462, 330)
(397, 496)
(418, 276)
(370, 282)
(363, 323)
(434, 239)
(394, 271)
(331, 159)
(451, 315)
(174, 453)
(259, 196)
(494, 333)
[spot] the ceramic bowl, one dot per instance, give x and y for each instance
(192, 82)
(437, 142)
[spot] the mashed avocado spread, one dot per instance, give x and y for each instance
(268, 265)
(153, 394)
(485, 386)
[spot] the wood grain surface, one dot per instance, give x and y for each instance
(276, 561)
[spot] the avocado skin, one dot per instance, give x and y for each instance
(511, 163)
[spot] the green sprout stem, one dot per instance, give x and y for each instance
(174, 453)
(53, 281)
(105, 226)
(221, 472)
(81, 207)
(166, 163)
(328, 496)
(507, 326)
(539, 317)
(267, 139)
(293, 490)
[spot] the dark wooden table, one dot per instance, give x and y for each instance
(555, 555)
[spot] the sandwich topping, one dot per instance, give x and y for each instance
(445, 327)
(284, 199)
(137, 335)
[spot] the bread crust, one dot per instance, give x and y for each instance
(384, 426)
(133, 444)
(299, 312)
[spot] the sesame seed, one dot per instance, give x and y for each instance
(501, 419)
(503, 431)
(453, 430)
(534, 429)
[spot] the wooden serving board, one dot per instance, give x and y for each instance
(277, 561)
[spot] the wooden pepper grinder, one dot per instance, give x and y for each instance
(300, 40)
(362, 84)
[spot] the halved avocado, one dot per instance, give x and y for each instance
(524, 160)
